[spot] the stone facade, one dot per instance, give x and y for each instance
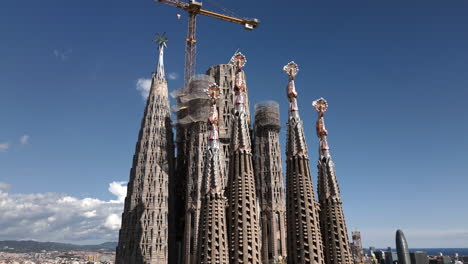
(304, 237)
(223, 199)
(337, 248)
(144, 234)
(243, 212)
(269, 181)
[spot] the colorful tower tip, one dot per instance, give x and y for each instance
(213, 91)
(161, 39)
(320, 105)
(239, 60)
(291, 69)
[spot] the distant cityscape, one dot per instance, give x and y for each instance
(33, 252)
(403, 255)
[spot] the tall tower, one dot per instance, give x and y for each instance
(195, 104)
(143, 237)
(356, 247)
(244, 229)
(269, 180)
(304, 238)
(213, 247)
(332, 220)
(225, 75)
(402, 248)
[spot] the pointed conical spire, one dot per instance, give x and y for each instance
(244, 229)
(296, 143)
(335, 235)
(213, 229)
(304, 236)
(161, 40)
(146, 210)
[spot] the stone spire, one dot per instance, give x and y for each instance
(244, 230)
(213, 233)
(304, 237)
(196, 104)
(143, 237)
(269, 180)
(335, 235)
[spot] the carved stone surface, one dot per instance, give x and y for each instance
(356, 247)
(269, 180)
(226, 202)
(336, 244)
(304, 236)
(213, 229)
(144, 234)
(243, 216)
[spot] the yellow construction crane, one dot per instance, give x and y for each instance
(194, 8)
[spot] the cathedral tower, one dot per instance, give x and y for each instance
(243, 216)
(335, 235)
(213, 247)
(195, 104)
(143, 237)
(304, 238)
(269, 180)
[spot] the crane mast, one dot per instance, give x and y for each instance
(194, 8)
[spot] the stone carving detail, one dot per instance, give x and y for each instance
(144, 235)
(243, 222)
(213, 229)
(336, 244)
(304, 236)
(269, 180)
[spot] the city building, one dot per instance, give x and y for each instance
(419, 257)
(402, 248)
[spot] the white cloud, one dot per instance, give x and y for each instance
(143, 86)
(113, 222)
(118, 189)
(4, 147)
(24, 139)
(90, 214)
(62, 54)
(60, 217)
(4, 187)
(173, 76)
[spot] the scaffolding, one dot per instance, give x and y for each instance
(267, 114)
(193, 101)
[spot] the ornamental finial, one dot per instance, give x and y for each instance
(321, 106)
(239, 60)
(213, 92)
(291, 69)
(161, 39)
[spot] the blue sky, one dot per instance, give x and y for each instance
(394, 74)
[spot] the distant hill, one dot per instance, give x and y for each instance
(25, 246)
